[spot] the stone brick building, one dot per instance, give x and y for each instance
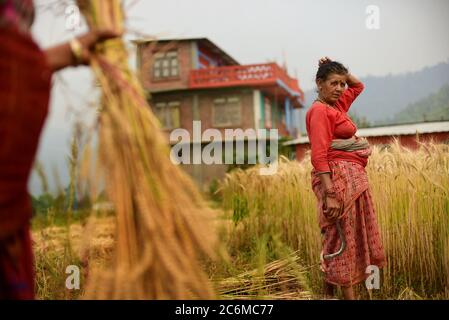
(193, 79)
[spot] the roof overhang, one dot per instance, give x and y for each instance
(396, 130)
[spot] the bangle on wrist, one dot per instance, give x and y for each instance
(77, 51)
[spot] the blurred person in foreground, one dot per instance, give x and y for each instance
(347, 219)
(25, 83)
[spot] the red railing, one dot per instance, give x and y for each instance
(253, 75)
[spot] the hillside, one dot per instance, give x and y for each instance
(432, 108)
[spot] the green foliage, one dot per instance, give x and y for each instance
(214, 192)
(286, 151)
(360, 121)
(281, 150)
(44, 202)
(240, 208)
(434, 107)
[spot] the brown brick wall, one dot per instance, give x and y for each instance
(186, 111)
(205, 103)
(146, 52)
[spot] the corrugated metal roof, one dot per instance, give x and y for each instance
(396, 130)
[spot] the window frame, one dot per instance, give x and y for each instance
(166, 106)
(226, 101)
(166, 57)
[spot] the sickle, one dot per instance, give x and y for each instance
(342, 246)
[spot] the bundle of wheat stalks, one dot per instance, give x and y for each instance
(278, 280)
(162, 222)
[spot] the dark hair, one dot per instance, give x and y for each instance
(328, 68)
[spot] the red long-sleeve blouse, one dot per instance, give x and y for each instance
(325, 123)
(25, 81)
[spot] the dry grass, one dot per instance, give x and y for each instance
(283, 279)
(56, 247)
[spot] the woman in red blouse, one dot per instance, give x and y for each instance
(25, 81)
(347, 219)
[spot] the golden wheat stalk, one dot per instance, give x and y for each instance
(162, 222)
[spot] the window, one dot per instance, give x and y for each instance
(165, 65)
(168, 114)
(226, 112)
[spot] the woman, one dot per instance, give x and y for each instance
(25, 74)
(351, 239)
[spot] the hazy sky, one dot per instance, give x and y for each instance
(412, 34)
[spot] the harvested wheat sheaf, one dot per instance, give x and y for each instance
(283, 279)
(162, 223)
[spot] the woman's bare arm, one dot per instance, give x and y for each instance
(61, 56)
(326, 181)
(352, 80)
(333, 206)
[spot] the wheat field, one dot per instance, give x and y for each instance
(268, 231)
(410, 193)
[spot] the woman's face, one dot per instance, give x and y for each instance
(332, 88)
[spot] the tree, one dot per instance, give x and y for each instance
(360, 122)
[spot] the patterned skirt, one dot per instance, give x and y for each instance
(358, 224)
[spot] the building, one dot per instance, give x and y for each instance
(193, 79)
(408, 136)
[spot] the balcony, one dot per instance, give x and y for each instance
(268, 75)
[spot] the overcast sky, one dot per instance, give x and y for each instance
(412, 34)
